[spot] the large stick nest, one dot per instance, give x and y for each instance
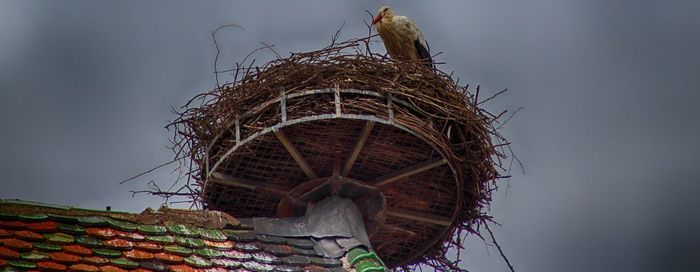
(474, 146)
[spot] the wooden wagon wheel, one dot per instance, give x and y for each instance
(286, 153)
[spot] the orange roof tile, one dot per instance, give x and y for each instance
(51, 266)
(61, 241)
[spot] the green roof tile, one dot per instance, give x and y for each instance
(183, 230)
(189, 242)
(64, 218)
(166, 239)
(93, 220)
(122, 225)
(207, 253)
(178, 250)
(33, 256)
(212, 234)
(109, 253)
(197, 261)
(368, 266)
(47, 246)
(88, 241)
(152, 229)
(238, 255)
(124, 263)
(364, 261)
(22, 264)
(356, 254)
(74, 229)
(61, 238)
(32, 217)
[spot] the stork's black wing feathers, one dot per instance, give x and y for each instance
(423, 52)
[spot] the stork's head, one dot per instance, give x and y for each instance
(384, 12)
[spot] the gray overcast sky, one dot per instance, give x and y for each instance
(609, 133)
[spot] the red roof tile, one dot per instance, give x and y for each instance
(84, 267)
(16, 244)
(8, 253)
(119, 244)
(169, 258)
(96, 260)
(148, 246)
(76, 249)
(12, 225)
(51, 266)
(139, 255)
(5, 233)
(63, 240)
(28, 235)
(101, 233)
(111, 268)
(44, 226)
(63, 257)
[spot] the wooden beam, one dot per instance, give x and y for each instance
(391, 178)
(399, 230)
(419, 216)
(359, 144)
(295, 154)
(249, 184)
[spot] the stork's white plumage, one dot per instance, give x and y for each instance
(401, 36)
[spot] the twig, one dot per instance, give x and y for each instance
(218, 51)
(509, 117)
(150, 170)
(271, 49)
(492, 97)
(500, 250)
(337, 34)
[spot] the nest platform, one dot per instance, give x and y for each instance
(405, 142)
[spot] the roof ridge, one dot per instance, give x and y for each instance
(17, 201)
(162, 216)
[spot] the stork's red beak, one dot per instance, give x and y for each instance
(377, 19)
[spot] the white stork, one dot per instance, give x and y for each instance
(402, 37)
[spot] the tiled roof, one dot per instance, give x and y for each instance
(60, 239)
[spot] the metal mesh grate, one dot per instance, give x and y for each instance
(321, 125)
